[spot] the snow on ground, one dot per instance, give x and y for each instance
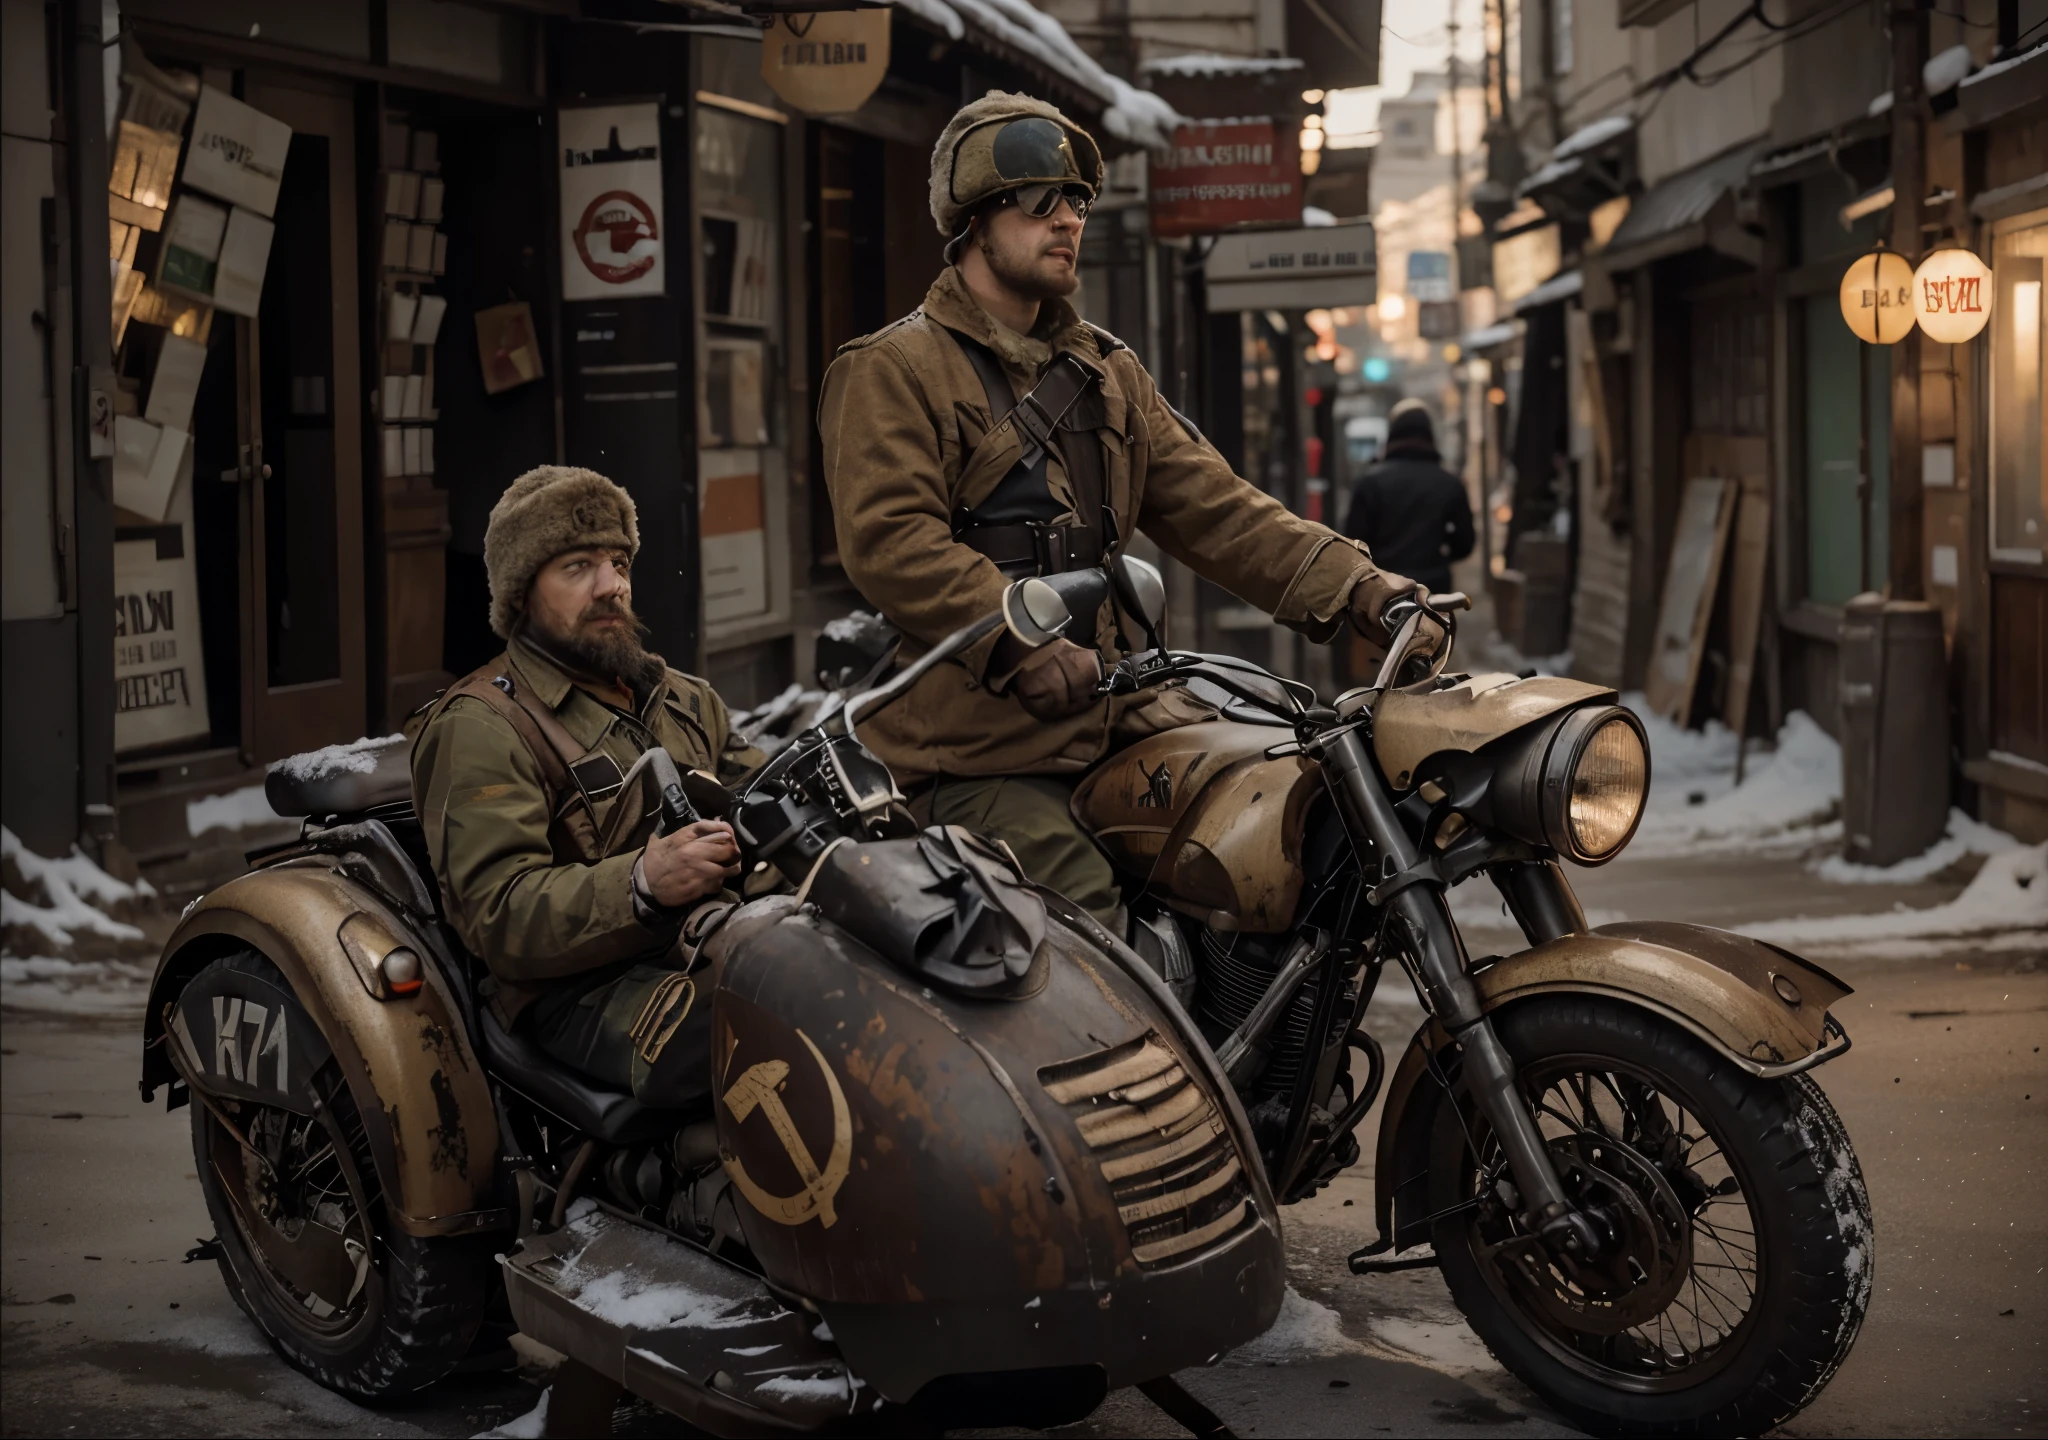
(1964, 836)
(1790, 798)
(236, 810)
(1305, 1329)
(67, 938)
(2009, 896)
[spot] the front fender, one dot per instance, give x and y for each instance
(1763, 1008)
(409, 1061)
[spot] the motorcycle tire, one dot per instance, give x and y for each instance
(417, 1309)
(1810, 1224)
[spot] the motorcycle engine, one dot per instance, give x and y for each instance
(1234, 970)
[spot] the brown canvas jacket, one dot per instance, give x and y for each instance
(901, 411)
(515, 880)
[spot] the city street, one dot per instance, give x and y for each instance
(109, 1332)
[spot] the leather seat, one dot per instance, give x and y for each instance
(342, 779)
(610, 1116)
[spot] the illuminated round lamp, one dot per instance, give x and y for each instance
(1877, 297)
(1952, 296)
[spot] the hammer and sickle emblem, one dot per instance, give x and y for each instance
(759, 1089)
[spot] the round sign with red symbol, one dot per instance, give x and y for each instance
(618, 237)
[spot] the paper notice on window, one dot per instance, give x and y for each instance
(191, 248)
(238, 152)
(733, 534)
(146, 461)
(159, 667)
(612, 220)
(426, 326)
(176, 383)
(244, 257)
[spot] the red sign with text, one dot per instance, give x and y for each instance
(1225, 173)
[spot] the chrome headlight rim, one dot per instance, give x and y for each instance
(1568, 747)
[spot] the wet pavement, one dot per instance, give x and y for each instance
(109, 1331)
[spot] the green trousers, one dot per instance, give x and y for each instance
(1031, 814)
(644, 1028)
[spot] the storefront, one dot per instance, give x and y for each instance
(370, 262)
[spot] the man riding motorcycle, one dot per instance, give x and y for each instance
(519, 778)
(992, 434)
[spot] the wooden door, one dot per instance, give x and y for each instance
(300, 407)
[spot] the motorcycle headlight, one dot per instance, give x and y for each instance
(1608, 781)
(1575, 783)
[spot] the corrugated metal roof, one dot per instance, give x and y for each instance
(1682, 199)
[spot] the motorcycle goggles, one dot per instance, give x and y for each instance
(1030, 150)
(1042, 201)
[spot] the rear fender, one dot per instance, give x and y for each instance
(1763, 1008)
(409, 1061)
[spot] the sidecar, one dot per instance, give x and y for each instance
(964, 1153)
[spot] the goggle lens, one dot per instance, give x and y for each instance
(1040, 201)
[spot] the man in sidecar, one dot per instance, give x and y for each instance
(546, 857)
(992, 434)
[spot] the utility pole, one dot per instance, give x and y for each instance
(1909, 184)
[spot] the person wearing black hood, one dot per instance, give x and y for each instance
(1412, 513)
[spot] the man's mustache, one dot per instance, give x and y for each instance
(608, 609)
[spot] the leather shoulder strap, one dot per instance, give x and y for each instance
(499, 693)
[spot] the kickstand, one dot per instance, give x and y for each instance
(581, 1402)
(1188, 1412)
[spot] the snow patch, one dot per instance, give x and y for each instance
(236, 810)
(1964, 836)
(1315, 216)
(530, 1426)
(1305, 1329)
(1593, 135)
(811, 1389)
(1787, 797)
(1448, 1347)
(75, 871)
(2001, 66)
(2010, 894)
(1206, 65)
(53, 986)
(358, 757)
(1946, 70)
(625, 1300)
(772, 725)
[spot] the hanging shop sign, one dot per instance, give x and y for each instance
(1952, 296)
(1877, 297)
(611, 202)
(1226, 173)
(827, 62)
(1305, 269)
(237, 152)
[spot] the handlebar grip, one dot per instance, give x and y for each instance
(1449, 601)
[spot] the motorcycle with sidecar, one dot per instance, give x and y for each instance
(973, 1159)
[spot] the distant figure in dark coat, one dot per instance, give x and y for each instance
(1411, 512)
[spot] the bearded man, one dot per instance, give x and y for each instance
(548, 866)
(992, 434)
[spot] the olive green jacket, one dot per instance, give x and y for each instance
(901, 412)
(513, 881)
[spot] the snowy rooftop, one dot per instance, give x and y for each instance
(1134, 116)
(1593, 136)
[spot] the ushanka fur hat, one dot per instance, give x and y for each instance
(974, 160)
(545, 511)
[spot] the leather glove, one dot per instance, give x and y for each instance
(1370, 597)
(1058, 681)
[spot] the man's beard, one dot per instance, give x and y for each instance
(613, 652)
(1019, 270)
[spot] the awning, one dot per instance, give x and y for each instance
(1691, 210)
(1590, 165)
(1488, 337)
(1551, 291)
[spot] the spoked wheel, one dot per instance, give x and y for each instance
(1737, 1266)
(307, 1252)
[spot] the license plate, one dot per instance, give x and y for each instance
(247, 1039)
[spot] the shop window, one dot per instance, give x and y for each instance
(1834, 426)
(2019, 425)
(741, 473)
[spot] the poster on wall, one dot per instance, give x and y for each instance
(611, 201)
(733, 534)
(159, 668)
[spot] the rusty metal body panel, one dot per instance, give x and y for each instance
(1409, 726)
(409, 1062)
(1762, 1007)
(1211, 825)
(955, 1180)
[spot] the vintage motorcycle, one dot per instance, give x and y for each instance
(973, 1158)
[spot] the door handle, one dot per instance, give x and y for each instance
(249, 467)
